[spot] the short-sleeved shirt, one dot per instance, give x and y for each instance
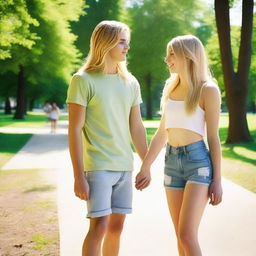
(108, 99)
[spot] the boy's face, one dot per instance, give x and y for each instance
(119, 52)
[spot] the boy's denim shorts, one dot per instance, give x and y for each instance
(187, 164)
(110, 192)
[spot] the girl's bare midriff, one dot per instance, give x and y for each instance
(180, 137)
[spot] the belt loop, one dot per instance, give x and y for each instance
(185, 150)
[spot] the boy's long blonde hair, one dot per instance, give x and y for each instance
(104, 37)
(190, 52)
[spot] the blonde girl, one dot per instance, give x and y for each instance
(104, 110)
(192, 174)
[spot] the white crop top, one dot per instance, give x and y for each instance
(176, 117)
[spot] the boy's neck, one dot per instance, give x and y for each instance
(110, 67)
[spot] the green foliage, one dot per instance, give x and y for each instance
(15, 27)
(96, 11)
(52, 58)
(213, 53)
(252, 74)
(153, 24)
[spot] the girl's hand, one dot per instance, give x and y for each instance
(215, 192)
(81, 188)
(143, 179)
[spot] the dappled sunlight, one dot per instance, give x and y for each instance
(245, 152)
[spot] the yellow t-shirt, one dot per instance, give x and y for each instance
(108, 99)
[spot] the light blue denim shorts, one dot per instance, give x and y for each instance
(110, 192)
(187, 164)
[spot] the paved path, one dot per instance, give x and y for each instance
(226, 230)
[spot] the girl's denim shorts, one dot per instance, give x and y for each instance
(187, 164)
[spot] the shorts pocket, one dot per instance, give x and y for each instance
(197, 155)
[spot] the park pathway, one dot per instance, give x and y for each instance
(226, 230)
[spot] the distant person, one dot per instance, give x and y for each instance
(192, 173)
(104, 112)
(54, 116)
(47, 109)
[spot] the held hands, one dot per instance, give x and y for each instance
(81, 188)
(143, 179)
(215, 192)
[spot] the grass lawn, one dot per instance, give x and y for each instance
(11, 143)
(31, 120)
(239, 159)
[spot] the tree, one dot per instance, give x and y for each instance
(251, 99)
(153, 24)
(97, 10)
(53, 55)
(213, 52)
(15, 24)
(236, 83)
(15, 29)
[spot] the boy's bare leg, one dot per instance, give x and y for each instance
(94, 237)
(112, 238)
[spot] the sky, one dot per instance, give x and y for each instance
(235, 13)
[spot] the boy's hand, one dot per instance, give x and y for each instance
(143, 179)
(81, 188)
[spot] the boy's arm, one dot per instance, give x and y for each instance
(76, 123)
(138, 132)
(156, 145)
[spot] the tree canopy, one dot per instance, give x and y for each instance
(51, 56)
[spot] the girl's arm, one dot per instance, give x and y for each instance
(211, 100)
(138, 132)
(159, 140)
(76, 123)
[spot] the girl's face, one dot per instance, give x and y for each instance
(119, 52)
(172, 62)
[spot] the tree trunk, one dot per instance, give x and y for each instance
(7, 107)
(20, 107)
(31, 104)
(148, 97)
(236, 84)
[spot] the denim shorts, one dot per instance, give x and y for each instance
(187, 164)
(110, 192)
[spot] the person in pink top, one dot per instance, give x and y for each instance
(54, 114)
(192, 174)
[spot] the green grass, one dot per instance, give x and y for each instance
(245, 152)
(31, 120)
(150, 133)
(41, 188)
(11, 143)
(40, 241)
(63, 117)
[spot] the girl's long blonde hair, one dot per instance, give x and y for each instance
(189, 50)
(104, 37)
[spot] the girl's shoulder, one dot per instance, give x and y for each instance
(210, 87)
(210, 92)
